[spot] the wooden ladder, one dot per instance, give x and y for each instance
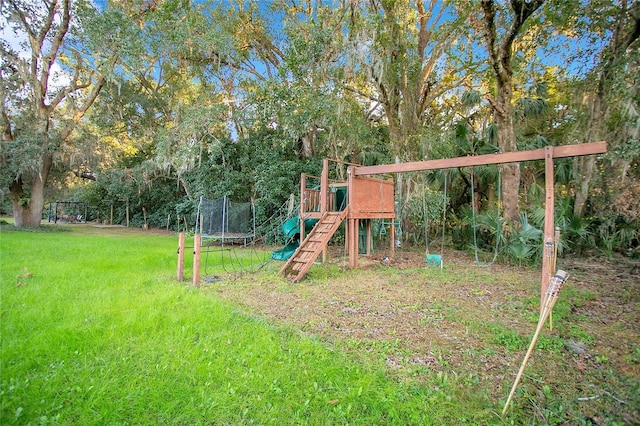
(297, 266)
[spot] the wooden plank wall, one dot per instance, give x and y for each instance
(370, 198)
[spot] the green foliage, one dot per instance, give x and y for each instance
(525, 243)
(255, 168)
(489, 229)
(550, 343)
(577, 231)
(425, 211)
(461, 227)
(510, 339)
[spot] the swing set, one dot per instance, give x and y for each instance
(369, 198)
(548, 154)
(438, 259)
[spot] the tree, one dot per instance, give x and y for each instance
(612, 98)
(45, 93)
(400, 60)
(499, 43)
(397, 53)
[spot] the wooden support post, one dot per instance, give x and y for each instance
(324, 186)
(347, 236)
(369, 237)
(181, 256)
(303, 202)
(347, 239)
(549, 207)
(196, 259)
(392, 236)
(356, 241)
(352, 233)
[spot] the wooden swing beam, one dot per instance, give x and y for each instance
(547, 154)
(481, 160)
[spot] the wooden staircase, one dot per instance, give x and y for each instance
(297, 266)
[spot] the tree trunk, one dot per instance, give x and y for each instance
(507, 143)
(307, 143)
(27, 210)
(585, 168)
(500, 46)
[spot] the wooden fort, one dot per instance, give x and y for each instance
(331, 202)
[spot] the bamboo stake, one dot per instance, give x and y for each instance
(555, 285)
(552, 267)
(549, 248)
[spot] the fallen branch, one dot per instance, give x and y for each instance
(588, 398)
(609, 394)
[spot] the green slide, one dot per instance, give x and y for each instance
(291, 230)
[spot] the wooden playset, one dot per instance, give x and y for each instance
(333, 202)
(363, 197)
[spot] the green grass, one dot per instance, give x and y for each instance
(96, 330)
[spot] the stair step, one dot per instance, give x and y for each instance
(299, 264)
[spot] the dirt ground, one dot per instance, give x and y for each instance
(471, 321)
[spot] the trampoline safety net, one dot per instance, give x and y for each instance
(225, 220)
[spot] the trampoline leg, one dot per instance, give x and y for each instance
(196, 260)
(181, 256)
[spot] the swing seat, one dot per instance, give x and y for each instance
(433, 260)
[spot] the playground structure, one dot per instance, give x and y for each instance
(371, 198)
(361, 197)
(67, 211)
(326, 203)
(332, 202)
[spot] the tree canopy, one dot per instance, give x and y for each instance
(154, 103)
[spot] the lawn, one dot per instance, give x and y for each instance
(96, 330)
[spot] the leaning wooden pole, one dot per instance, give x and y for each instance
(556, 283)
